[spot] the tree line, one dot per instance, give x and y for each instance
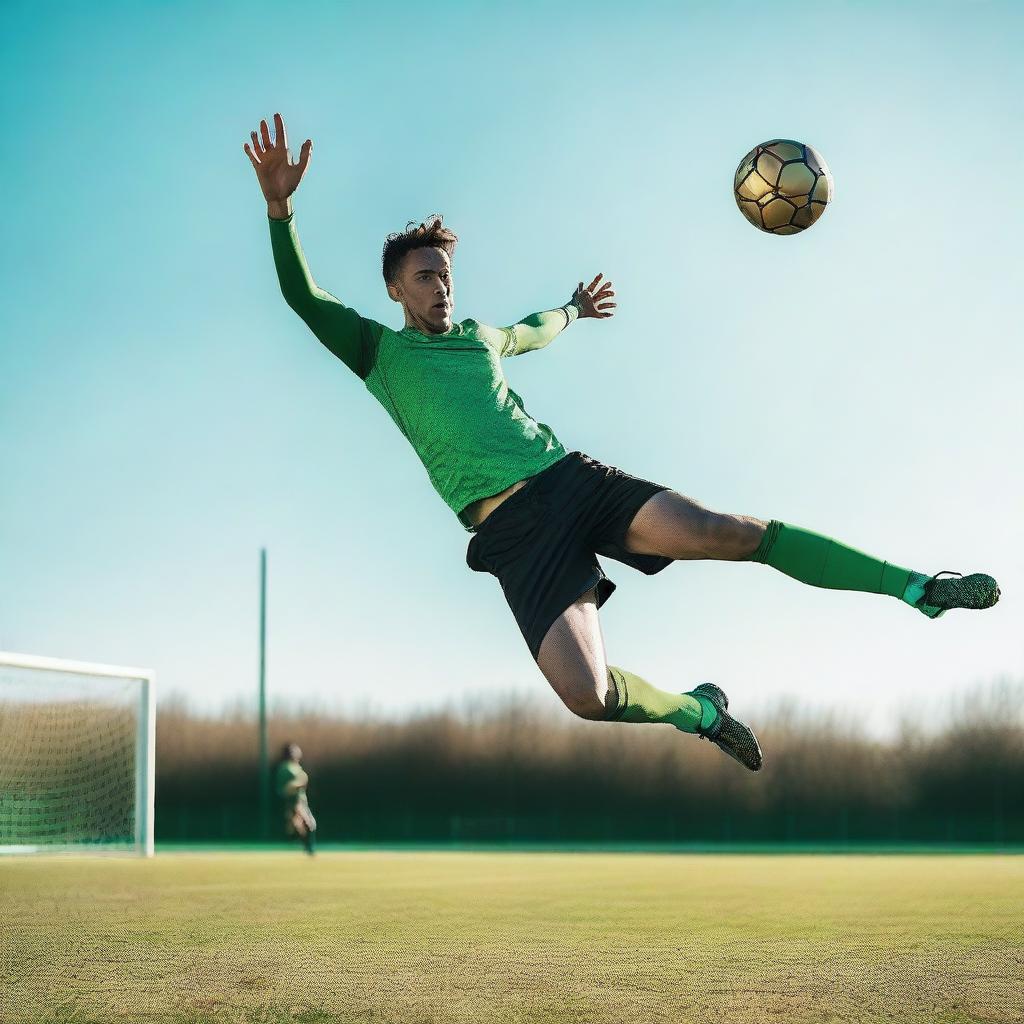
(508, 770)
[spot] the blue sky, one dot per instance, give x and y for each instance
(163, 413)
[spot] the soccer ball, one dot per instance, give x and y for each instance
(782, 186)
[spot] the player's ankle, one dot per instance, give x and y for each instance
(914, 591)
(709, 714)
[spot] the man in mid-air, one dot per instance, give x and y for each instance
(540, 515)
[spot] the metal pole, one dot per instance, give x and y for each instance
(264, 780)
(145, 767)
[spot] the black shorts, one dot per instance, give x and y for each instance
(542, 542)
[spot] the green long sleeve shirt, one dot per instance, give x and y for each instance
(447, 393)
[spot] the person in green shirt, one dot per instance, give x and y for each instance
(540, 515)
(290, 782)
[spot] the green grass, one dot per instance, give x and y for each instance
(478, 937)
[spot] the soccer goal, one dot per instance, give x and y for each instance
(77, 759)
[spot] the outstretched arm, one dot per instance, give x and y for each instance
(352, 338)
(539, 329)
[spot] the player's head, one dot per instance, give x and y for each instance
(418, 273)
(291, 752)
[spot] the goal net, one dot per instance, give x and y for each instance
(76, 756)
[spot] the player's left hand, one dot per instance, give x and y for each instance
(593, 299)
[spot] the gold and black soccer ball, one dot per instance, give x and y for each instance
(782, 186)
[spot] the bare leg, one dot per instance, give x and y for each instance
(674, 526)
(303, 825)
(572, 658)
(677, 527)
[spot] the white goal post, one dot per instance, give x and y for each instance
(77, 756)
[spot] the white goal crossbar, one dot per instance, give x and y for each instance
(52, 711)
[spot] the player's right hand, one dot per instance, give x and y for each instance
(278, 176)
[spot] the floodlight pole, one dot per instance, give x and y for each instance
(264, 780)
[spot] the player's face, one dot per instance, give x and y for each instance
(426, 289)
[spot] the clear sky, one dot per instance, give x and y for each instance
(163, 413)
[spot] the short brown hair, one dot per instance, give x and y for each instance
(430, 234)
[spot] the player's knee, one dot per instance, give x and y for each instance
(584, 704)
(733, 537)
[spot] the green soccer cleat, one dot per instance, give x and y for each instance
(974, 591)
(735, 738)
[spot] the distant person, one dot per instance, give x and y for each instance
(540, 515)
(291, 785)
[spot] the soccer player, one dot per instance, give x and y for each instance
(540, 515)
(291, 785)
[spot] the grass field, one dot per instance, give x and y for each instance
(475, 937)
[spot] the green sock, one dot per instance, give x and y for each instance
(638, 701)
(822, 562)
(708, 711)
